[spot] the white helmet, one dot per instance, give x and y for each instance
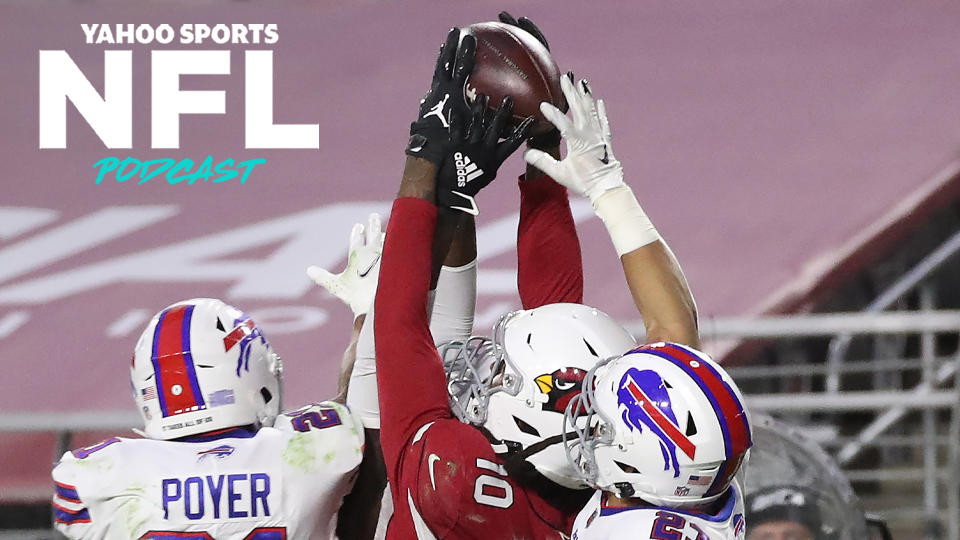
(517, 385)
(202, 365)
(664, 423)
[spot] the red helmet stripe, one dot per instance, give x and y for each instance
(730, 406)
(173, 363)
(237, 334)
(661, 420)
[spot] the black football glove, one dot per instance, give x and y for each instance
(477, 153)
(525, 24)
(430, 133)
(549, 139)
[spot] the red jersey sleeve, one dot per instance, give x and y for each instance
(549, 264)
(410, 376)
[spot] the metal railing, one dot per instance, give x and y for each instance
(935, 395)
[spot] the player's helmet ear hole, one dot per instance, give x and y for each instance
(525, 427)
(267, 396)
(691, 426)
(204, 366)
(626, 468)
(668, 385)
(220, 325)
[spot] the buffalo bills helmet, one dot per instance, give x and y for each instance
(663, 423)
(516, 385)
(202, 365)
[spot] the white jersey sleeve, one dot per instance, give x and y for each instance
(451, 318)
(286, 481)
(597, 521)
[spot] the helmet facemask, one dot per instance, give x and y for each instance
(584, 427)
(477, 369)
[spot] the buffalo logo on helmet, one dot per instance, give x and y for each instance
(560, 387)
(243, 333)
(645, 403)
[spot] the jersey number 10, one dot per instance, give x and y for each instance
(492, 490)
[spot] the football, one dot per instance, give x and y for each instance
(511, 62)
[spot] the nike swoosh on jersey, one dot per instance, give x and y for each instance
(606, 158)
(431, 459)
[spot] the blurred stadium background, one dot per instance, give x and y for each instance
(800, 158)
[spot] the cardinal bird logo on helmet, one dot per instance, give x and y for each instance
(560, 387)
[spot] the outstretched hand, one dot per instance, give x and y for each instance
(589, 167)
(477, 152)
(430, 132)
(525, 24)
(356, 285)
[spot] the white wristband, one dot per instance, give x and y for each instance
(628, 225)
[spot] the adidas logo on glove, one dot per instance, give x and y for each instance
(466, 169)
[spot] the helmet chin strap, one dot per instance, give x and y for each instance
(519, 468)
(542, 445)
(514, 450)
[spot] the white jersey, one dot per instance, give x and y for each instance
(597, 521)
(281, 483)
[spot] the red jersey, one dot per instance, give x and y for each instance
(445, 478)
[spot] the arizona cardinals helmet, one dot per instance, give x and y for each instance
(663, 423)
(517, 385)
(202, 365)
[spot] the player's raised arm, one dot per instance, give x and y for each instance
(355, 286)
(549, 264)
(410, 376)
(653, 274)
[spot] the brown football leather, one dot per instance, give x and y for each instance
(510, 61)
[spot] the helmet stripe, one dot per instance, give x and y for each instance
(718, 411)
(722, 397)
(726, 405)
(729, 402)
(173, 366)
(661, 420)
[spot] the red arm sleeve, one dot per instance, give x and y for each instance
(410, 375)
(549, 265)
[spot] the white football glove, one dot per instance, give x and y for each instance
(589, 168)
(356, 285)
